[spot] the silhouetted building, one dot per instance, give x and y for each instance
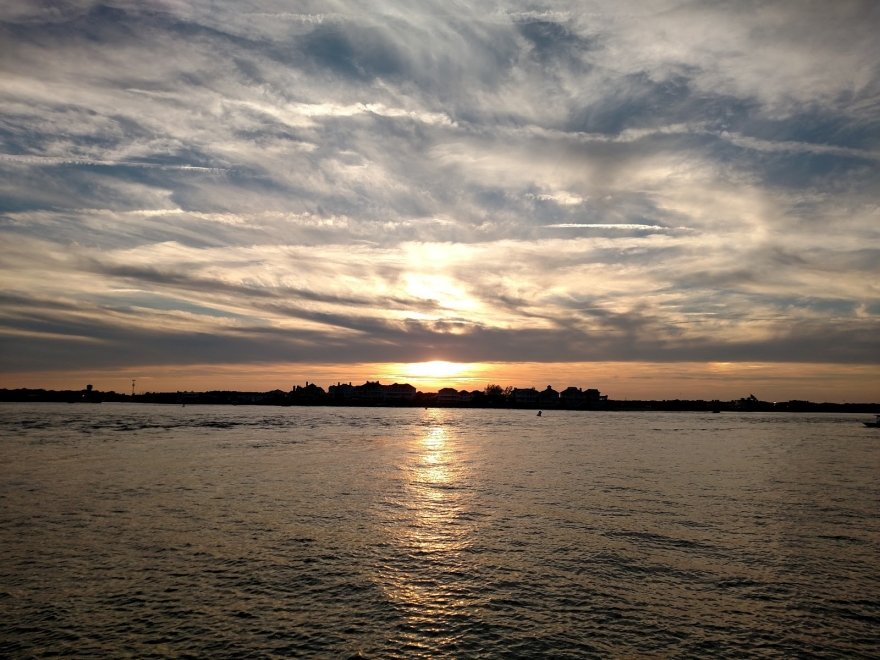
(448, 395)
(576, 398)
(521, 396)
(373, 393)
(573, 397)
(548, 397)
(399, 392)
(370, 392)
(311, 393)
(90, 395)
(341, 392)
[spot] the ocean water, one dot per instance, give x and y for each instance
(162, 531)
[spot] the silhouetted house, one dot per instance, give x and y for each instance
(373, 393)
(370, 392)
(399, 393)
(341, 392)
(573, 397)
(447, 396)
(548, 397)
(576, 398)
(521, 396)
(311, 393)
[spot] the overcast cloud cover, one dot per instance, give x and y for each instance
(235, 181)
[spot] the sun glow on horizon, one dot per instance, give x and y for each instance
(433, 374)
(619, 380)
(436, 369)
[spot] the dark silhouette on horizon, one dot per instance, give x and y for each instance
(373, 393)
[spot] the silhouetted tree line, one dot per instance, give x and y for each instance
(403, 395)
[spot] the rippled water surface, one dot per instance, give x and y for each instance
(137, 530)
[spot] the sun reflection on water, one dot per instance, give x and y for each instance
(433, 536)
(434, 489)
(432, 472)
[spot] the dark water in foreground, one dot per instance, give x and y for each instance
(136, 530)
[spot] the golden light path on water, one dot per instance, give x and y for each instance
(436, 533)
(431, 537)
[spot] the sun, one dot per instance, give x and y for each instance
(433, 374)
(435, 369)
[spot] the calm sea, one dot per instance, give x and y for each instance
(162, 531)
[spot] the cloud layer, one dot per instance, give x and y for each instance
(242, 182)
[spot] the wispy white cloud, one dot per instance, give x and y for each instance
(517, 181)
(637, 227)
(790, 146)
(56, 160)
(563, 197)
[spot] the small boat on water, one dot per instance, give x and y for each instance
(875, 423)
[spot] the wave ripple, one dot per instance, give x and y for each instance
(160, 531)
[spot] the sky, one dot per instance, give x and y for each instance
(658, 199)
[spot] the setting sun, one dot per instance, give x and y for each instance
(434, 374)
(436, 369)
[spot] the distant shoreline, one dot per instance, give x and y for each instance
(423, 400)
